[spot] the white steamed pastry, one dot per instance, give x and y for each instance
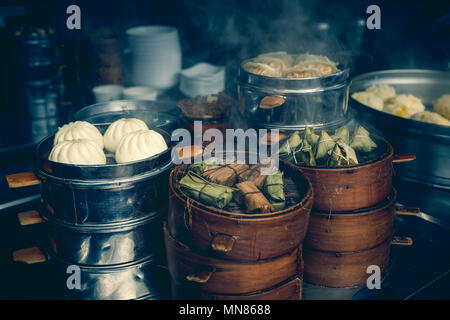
(403, 105)
(382, 90)
(139, 145)
(442, 106)
(78, 152)
(369, 99)
(120, 128)
(78, 130)
(431, 117)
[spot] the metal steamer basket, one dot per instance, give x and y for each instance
(145, 279)
(107, 220)
(428, 142)
(318, 102)
(164, 115)
(102, 194)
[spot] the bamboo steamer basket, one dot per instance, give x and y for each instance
(209, 274)
(240, 236)
(287, 290)
(344, 269)
(356, 186)
(352, 231)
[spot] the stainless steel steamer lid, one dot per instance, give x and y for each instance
(155, 113)
(428, 85)
(101, 175)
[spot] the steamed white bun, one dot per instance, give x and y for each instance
(120, 128)
(79, 152)
(442, 106)
(139, 145)
(403, 105)
(369, 99)
(78, 130)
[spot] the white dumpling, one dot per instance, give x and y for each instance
(403, 105)
(78, 130)
(79, 152)
(442, 106)
(139, 145)
(369, 99)
(431, 117)
(261, 69)
(384, 91)
(118, 129)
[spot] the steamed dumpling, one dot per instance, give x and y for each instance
(139, 145)
(442, 106)
(261, 69)
(382, 90)
(309, 61)
(404, 105)
(287, 59)
(431, 117)
(118, 129)
(78, 130)
(301, 73)
(276, 64)
(79, 152)
(369, 99)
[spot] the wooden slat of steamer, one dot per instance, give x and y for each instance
(29, 218)
(24, 179)
(29, 255)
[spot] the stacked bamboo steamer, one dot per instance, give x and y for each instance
(351, 224)
(218, 254)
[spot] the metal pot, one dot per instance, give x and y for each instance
(317, 102)
(107, 244)
(103, 193)
(155, 113)
(428, 142)
(143, 279)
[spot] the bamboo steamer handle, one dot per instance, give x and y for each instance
(402, 241)
(400, 158)
(23, 179)
(201, 276)
(406, 211)
(222, 242)
(29, 255)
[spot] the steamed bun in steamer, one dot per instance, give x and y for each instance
(78, 130)
(442, 106)
(369, 99)
(139, 145)
(261, 69)
(431, 117)
(383, 91)
(404, 105)
(287, 59)
(78, 152)
(120, 128)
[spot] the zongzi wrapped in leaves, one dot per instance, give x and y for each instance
(324, 145)
(287, 148)
(361, 140)
(304, 154)
(310, 136)
(342, 155)
(274, 190)
(253, 173)
(255, 201)
(225, 175)
(342, 133)
(204, 191)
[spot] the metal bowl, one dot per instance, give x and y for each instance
(143, 279)
(318, 102)
(155, 113)
(106, 244)
(82, 194)
(428, 142)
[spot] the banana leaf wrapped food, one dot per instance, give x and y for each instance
(255, 201)
(342, 133)
(274, 190)
(287, 148)
(224, 174)
(342, 155)
(324, 145)
(310, 136)
(204, 191)
(304, 154)
(253, 173)
(361, 140)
